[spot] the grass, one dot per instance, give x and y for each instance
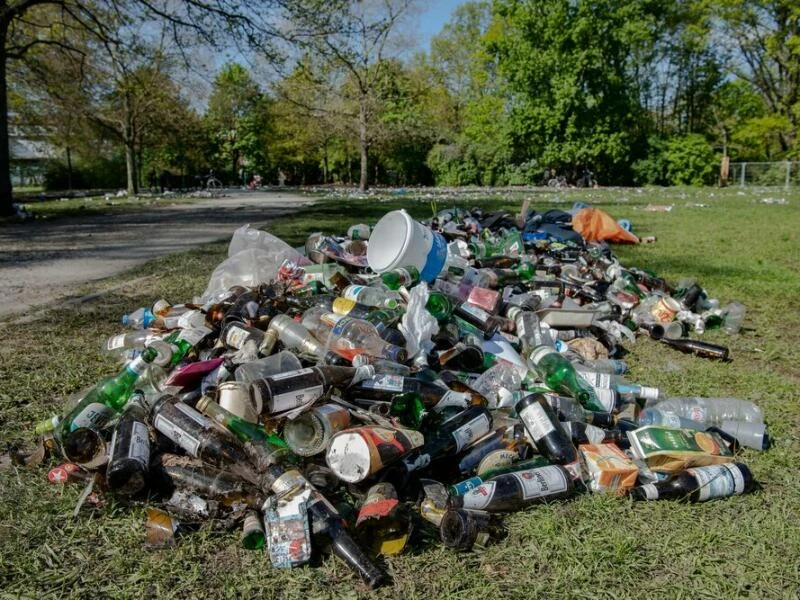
(590, 547)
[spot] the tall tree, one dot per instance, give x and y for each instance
(236, 118)
(766, 38)
(27, 24)
(355, 39)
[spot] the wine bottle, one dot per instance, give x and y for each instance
(547, 432)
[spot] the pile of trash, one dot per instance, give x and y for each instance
(405, 376)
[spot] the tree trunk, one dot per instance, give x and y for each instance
(69, 169)
(325, 163)
(130, 165)
(363, 143)
(6, 198)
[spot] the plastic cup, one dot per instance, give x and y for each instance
(398, 241)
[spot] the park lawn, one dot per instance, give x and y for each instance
(592, 546)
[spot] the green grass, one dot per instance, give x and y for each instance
(95, 205)
(590, 547)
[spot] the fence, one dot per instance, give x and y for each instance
(785, 173)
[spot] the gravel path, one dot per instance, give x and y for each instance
(41, 261)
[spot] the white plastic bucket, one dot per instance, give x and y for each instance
(399, 241)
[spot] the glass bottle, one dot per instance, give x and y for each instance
(198, 437)
(310, 433)
(403, 277)
(294, 389)
(372, 296)
(517, 490)
(129, 461)
(297, 338)
(699, 484)
(107, 398)
(547, 432)
(559, 375)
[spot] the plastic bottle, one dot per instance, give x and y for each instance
(712, 411)
(750, 434)
(734, 318)
(138, 319)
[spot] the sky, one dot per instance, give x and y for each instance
(434, 14)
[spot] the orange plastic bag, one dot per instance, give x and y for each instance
(595, 226)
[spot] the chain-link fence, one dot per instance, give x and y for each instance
(785, 173)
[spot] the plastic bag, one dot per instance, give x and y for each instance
(254, 257)
(247, 238)
(595, 225)
(418, 325)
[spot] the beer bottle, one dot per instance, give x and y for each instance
(130, 450)
(253, 536)
(453, 436)
(703, 349)
(462, 529)
(357, 453)
(382, 522)
(327, 523)
(199, 437)
(293, 389)
(171, 472)
(517, 490)
(439, 305)
(397, 278)
(385, 387)
(547, 432)
(462, 487)
(241, 428)
(559, 375)
(699, 484)
(107, 398)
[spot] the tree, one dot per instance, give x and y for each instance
(236, 118)
(28, 24)
(353, 39)
(568, 64)
(766, 54)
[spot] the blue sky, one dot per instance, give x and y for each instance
(434, 14)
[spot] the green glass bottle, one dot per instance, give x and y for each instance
(107, 398)
(439, 306)
(397, 278)
(558, 374)
(242, 429)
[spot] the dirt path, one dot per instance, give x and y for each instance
(41, 261)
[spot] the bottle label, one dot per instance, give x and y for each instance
(236, 337)
(93, 416)
(116, 342)
(697, 413)
(137, 366)
(539, 353)
(469, 432)
(452, 398)
(670, 419)
(194, 335)
(180, 437)
(296, 398)
(606, 399)
(352, 292)
(536, 421)
(650, 491)
(195, 416)
(475, 311)
(480, 497)
(598, 380)
(718, 481)
(543, 481)
(388, 383)
(595, 434)
(140, 444)
(172, 322)
(288, 374)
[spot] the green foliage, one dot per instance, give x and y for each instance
(689, 160)
(98, 172)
